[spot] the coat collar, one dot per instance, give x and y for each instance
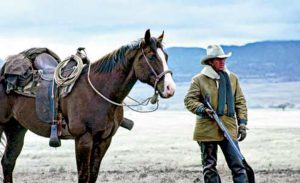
(211, 73)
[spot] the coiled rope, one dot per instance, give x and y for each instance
(65, 81)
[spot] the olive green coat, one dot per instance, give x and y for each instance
(206, 83)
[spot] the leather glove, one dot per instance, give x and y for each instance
(242, 133)
(204, 111)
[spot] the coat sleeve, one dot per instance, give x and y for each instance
(240, 105)
(192, 98)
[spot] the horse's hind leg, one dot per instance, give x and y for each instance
(15, 138)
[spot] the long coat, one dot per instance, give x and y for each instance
(206, 83)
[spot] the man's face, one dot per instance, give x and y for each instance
(218, 64)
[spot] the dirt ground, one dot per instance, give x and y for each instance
(160, 149)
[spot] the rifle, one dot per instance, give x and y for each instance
(249, 170)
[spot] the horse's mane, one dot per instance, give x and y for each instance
(116, 58)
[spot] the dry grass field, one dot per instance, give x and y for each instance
(160, 149)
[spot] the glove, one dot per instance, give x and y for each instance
(242, 133)
(204, 111)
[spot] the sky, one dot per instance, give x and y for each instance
(104, 25)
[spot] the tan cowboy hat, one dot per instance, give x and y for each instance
(214, 51)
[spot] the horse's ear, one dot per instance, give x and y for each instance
(161, 37)
(147, 37)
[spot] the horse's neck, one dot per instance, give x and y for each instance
(122, 84)
(116, 84)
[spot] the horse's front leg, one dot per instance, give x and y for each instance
(84, 146)
(99, 150)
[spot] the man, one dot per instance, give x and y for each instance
(226, 97)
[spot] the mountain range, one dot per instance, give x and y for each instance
(271, 61)
(267, 61)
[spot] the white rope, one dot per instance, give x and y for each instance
(95, 90)
(145, 102)
(65, 81)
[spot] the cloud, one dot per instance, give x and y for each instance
(107, 24)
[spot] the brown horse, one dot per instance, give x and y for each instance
(91, 120)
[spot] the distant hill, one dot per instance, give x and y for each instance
(275, 61)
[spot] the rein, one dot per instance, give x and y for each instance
(153, 99)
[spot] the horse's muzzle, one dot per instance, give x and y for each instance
(169, 90)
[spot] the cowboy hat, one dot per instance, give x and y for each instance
(214, 51)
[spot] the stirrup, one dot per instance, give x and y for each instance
(54, 140)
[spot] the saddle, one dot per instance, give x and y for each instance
(31, 73)
(48, 93)
(46, 64)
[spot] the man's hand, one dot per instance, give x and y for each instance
(242, 133)
(209, 112)
(204, 111)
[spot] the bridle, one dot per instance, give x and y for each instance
(153, 99)
(157, 76)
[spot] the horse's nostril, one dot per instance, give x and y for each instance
(169, 90)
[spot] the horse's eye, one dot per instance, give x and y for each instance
(151, 56)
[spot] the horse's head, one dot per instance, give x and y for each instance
(151, 66)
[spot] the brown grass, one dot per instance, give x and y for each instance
(160, 149)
